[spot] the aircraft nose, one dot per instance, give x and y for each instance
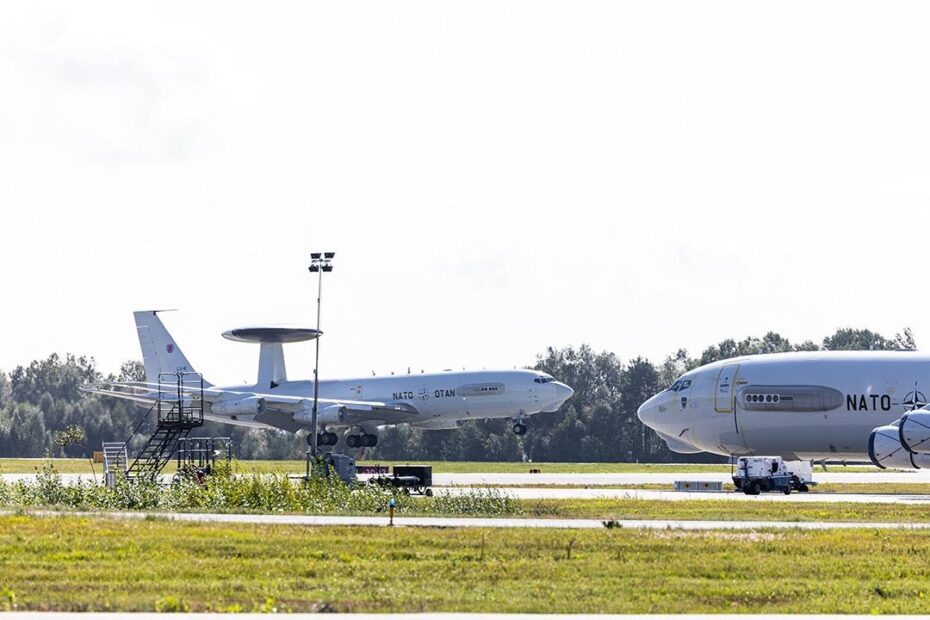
(559, 393)
(649, 411)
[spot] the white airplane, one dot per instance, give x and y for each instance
(358, 407)
(819, 406)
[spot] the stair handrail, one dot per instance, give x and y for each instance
(136, 429)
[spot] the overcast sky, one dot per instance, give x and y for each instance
(495, 177)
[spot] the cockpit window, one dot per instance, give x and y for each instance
(680, 385)
(544, 379)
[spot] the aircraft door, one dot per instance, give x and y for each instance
(726, 388)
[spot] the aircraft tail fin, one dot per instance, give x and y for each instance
(160, 353)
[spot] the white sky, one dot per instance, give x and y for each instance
(495, 177)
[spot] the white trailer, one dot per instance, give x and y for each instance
(757, 474)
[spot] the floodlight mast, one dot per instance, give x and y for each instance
(320, 262)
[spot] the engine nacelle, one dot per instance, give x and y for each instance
(885, 450)
(914, 432)
(328, 415)
(243, 405)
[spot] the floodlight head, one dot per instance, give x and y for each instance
(315, 255)
(327, 268)
(329, 254)
(314, 268)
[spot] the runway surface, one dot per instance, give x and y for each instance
(679, 496)
(596, 480)
(460, 522)
(560, 489)
(662, 478)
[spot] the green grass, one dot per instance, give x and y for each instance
(81, 564)
(886, 488)
(276, 493)
(82, 466)
(829, 488)
(721, 510)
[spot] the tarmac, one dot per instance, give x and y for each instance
(598, 480)
(679, 496)
(595, 486)
(669, 478)
(469, 522)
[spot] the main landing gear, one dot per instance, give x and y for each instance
(519, 429)
(327, 438)
(362, 441)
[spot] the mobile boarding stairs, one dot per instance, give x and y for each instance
(178, 409)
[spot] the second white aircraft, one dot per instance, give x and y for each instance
(823, 406)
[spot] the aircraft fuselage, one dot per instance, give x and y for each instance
(441, 399)
(818, 405)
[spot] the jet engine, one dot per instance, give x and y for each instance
(243, 405)
(885, 450)
(914, 432)
(328, 415)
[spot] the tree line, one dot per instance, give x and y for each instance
(44, 412)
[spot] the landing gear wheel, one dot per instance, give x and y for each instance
(369, 441)
(310, 439)
(329, 439)
(519, 429)
(353, 441)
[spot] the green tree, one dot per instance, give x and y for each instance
(641, 382)
(769, 343)
(131, 370)
(905, 340)
(62, 379)
(848, 339)
(6, 390)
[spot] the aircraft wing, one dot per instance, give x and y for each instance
(350, 411)
(290, 413)
(137, 396)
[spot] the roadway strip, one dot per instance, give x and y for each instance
(668, 478)
(684, 496)
(594, 480)
(580, 492)
(463, 522)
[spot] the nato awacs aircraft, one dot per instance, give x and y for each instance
(818, 406)
(356, 407)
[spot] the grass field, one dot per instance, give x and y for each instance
(722, 510)
(81, 466)
(600, 509)
(78, 564)
(855, 488)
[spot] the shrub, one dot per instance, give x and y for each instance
(225, 492)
